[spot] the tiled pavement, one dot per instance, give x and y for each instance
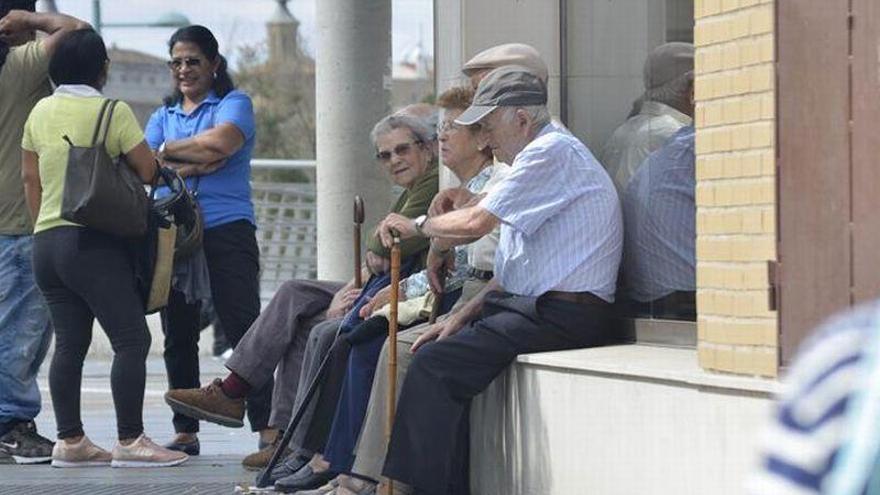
(217, 470)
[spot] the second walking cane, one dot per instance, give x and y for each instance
(358, 221)
(392, 343)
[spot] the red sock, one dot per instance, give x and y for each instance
(235, 387)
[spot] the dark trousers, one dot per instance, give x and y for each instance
(233, 266)
(317, 430)
(352, 405)
(83, 275)
(429, 442)
(366, 344)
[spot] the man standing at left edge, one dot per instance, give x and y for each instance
(25, 331)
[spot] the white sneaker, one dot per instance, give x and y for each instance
(80, 454)
(143, 452)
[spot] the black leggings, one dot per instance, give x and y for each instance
(84, 275)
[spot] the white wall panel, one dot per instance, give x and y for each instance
(580, 431)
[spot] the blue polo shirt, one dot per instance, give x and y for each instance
(225, 195)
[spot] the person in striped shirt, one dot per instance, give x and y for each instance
(825, 433)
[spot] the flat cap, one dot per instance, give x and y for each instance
(668, 62)
(507, 54)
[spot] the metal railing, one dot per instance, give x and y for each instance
(285, 206)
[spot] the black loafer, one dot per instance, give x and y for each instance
(302, 481)
(291, 465)
(188, 448)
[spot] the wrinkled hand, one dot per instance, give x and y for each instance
(473, 201)
(342, 303)
(438, 331)
(437, 266)
(448, 200)
(377, 301)
(14, 24)
(377, 264)
(381, 298)
(405, 227)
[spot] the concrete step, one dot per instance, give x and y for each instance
(616, 420)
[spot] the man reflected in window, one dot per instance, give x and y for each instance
(659, 261)
(665, 108)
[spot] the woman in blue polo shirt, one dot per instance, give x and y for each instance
(206, 130)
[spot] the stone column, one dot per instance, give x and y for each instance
(353, 87)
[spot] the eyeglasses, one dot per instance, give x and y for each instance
(401, 149)
(178, 63)
(449, 126)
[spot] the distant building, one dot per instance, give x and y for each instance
(139, 79)
(412, 78)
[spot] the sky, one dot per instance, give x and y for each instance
(238, 22)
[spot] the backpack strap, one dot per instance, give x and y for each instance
(98, 123)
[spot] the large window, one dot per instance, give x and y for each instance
(628, 81)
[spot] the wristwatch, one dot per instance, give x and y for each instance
(419, 222)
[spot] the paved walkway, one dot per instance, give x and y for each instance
(217, 470)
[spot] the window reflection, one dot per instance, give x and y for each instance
(651, 159)
(632, 99)
(658, 276)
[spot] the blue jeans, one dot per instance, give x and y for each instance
(25, 331)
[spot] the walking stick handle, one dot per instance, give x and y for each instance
(358, 221)
(392, 343)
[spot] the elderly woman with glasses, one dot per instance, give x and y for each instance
(282, 336)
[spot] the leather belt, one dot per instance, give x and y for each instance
(480, 274)
(577, 297)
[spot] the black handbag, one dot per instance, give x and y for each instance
(190, 223)
(102, 193)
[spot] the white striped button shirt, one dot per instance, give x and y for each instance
(659, 255)
(561, 222)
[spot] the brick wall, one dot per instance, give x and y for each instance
(736, 185)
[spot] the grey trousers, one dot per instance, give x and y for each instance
(312, 431)
(277, 339)
(370, 452)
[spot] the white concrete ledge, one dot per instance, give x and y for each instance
(621, 420)
(647, 362)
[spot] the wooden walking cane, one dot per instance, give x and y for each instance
(392, 344)
(358, 221)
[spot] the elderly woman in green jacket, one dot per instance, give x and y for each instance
(278, 338)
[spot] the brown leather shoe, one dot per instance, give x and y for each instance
(260, 459)
(208, 404)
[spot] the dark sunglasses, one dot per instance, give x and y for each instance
(178, 63)
(401, 149)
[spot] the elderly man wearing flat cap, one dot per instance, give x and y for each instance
(667, 106)
(555, 275)
(500, 55)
